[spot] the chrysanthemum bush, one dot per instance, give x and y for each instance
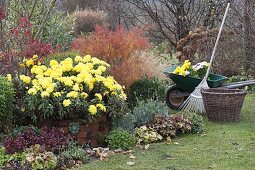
(71, 88)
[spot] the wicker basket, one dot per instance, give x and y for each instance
(223, 105)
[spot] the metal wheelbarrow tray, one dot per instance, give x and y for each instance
(185, 85)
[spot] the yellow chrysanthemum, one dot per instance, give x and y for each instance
(66, 102)
(78, 58)
(45, 94)
(37, 70)
(86, 58)
(84, 95)
(72, 94)
(96, 72)
(53, 63)
(123, 96)
(99, 96)
(34, 81)
(50, 89)
(35, 57)
(101, 107)
(76, 87)
(25, 79)
(92, 109)
(22, 65)
(9, 77)
(57, 94)
(32, 91)
(102, 68)
(68, 82)
(29, 62)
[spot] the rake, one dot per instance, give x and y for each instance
(194, 103)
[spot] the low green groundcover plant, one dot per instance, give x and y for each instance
(6, 103)
(146, 110)
(120, 139)
(145, 89)
(74, 152)
(125, 122)
(197, 123)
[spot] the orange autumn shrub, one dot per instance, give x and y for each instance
(134, 68)
(111, 46)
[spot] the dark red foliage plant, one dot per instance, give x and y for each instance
(18, 43)
(2, 13)
(49, 138)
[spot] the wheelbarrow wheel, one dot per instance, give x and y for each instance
(175, 97)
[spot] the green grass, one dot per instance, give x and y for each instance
(223, 146)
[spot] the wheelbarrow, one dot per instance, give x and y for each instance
(185, 85)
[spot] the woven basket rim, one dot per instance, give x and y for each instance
(221, 91)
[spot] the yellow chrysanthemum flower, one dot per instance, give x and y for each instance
(66, 102)
(57, 94)
(86, 58)
(37, 70)
(22, 65)
(84, 95)
(32, 91)
(9, 77)
(76, 87)
(29, 62)
(50, 89)
(101, 107)
(99, 96)
(35, 57)
(25, 79)
(45, 94)
(53, 63)
(96, 72)
(102, 68)
(92, 109)
(72, 94)
(78, 58)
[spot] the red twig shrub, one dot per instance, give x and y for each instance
(19, 43)
(111, 46)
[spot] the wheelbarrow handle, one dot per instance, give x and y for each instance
(239, 84)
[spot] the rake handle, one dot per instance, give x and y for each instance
(216, 43)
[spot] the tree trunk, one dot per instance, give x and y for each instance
(249, 51)
(181, 21)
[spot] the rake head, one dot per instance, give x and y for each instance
(194, 103)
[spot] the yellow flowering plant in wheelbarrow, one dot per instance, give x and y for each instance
(198, 70)
(72, 88)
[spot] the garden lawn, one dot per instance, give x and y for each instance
(221, 146)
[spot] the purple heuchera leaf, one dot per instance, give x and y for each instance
(50, 138)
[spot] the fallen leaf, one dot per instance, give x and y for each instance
(130, 163)
(118, 150)
(127, 152)
(132, 156)
(235, 143)
(146, 146)
(168, 140)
